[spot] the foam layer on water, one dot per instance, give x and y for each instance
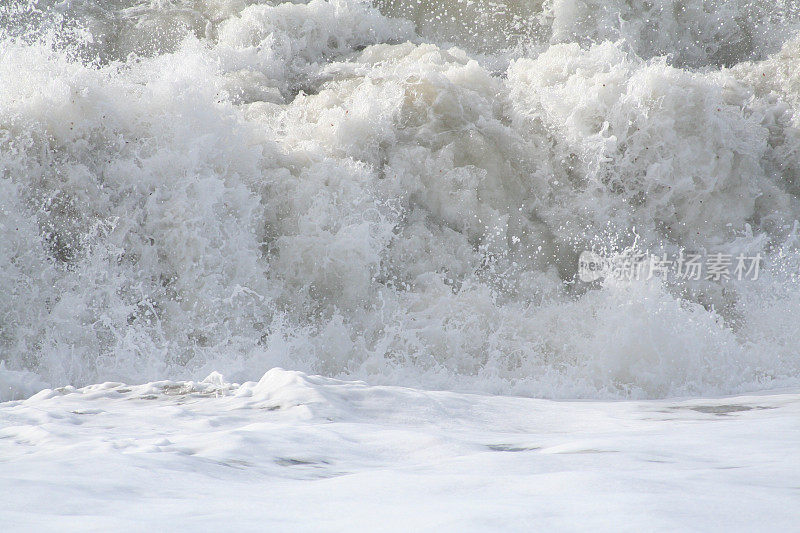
(200, 186)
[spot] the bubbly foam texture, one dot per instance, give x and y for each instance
(333, 187)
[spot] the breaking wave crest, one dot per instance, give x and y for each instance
(398, 192)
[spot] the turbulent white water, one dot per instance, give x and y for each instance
(300, 453)
(397, 192)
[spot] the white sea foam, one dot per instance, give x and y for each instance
(299, 453)
(228, 185)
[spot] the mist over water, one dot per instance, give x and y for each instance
(397, 192)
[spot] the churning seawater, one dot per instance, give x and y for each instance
(398, 192)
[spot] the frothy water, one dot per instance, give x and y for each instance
(397, 192)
